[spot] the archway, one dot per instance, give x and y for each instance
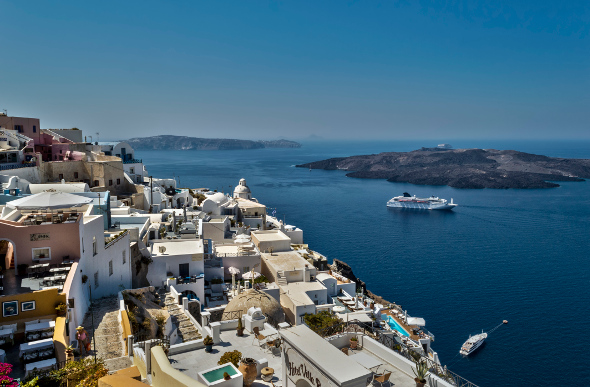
(302, 383)
(7, 254)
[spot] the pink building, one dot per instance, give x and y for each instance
(30, 127)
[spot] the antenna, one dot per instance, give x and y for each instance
(97, 136)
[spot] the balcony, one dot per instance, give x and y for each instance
(133, 161)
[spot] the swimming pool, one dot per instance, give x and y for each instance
(394, 325)
(217, 374)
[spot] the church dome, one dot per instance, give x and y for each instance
(242, 187)
(258, 299)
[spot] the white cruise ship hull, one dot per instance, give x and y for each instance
(420, 206)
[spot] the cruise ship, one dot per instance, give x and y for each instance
(413, 202)
(473, 343)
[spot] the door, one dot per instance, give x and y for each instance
(183, 270)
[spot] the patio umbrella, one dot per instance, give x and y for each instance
(233, 271)
(49, 200)
(251, 275)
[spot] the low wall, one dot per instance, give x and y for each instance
(139, 361)
(126, 326)
(60, 339)
(186, 347)
(164, 375)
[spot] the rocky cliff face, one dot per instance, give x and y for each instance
(344, 269)
(169, 142)
(462, 168)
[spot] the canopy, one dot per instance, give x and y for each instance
(49, 200)
(248, 275)
(416, 321)
(233, 270)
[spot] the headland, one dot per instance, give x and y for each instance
(169, 142)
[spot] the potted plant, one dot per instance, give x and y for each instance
(84, 278)
(240, 327)
(233, 357)
(70, 351)
(208, 341)
(354, 342)
(248, 369)
(421, 371)
(22, 269)
(226, 376)
(61, 309)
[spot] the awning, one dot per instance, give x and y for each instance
(416, 321)
(49, 200)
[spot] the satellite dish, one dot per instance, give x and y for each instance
(162, 249)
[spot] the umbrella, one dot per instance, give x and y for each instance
(251, 275)
(49, 200)
(416, 321)
(233, 271)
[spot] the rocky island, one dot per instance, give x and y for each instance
(169, 142)
(461, 168)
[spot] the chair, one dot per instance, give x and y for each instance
(258, 336)
(382, 379)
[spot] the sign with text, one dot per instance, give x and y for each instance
(298, 369)
(40, 237)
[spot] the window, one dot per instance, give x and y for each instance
(246, 269)
(124, 256)
(95, 280)
(96, 183)
(42, 254)
(110, 267)
(18, 128)
(34, 128)
(132, 170)
(118, 181)
(61, 176)
(110, 182)
(61, 151)
(75, 175)
(94, 246)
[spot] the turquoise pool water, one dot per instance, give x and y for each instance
(217, 374)
(394, 325)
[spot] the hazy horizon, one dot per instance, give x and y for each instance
(262, 71)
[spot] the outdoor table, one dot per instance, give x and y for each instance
(39, 365)
(58, 269)
(267, 374)
(58, 287)
(40, 326)
(366, 361)
(6, 332)
(35, 346)
(269, 332)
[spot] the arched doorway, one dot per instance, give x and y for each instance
(302, 383)
(7, 254)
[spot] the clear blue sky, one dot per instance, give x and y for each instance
(263, 69)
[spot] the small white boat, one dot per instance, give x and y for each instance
(473, 343)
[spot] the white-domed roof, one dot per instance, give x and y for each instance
(258, 299)
(242, 189)
(218, 198)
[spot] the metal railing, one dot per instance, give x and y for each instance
(115, 239)
(17, 166)
(133, 161)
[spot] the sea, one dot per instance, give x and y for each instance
(520, 255)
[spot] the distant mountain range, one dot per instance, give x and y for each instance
(169, 142)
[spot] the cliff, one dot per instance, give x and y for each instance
(169, 142)
(462, 168)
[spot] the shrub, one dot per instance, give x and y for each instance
(208, 340)
(322, 321)
(233, 357)
(147, 324)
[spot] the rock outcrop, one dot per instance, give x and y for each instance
(462, 168)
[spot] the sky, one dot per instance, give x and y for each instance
(293, 69)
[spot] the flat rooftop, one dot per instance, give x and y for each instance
(297, 291)
(178, 247)
(193, 362)
(285, 260)
(270, 236)
(245, 203)
(339, 367)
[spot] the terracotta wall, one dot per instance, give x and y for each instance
(45, 303)
(126, 327)
(60, 339)
(63, 240)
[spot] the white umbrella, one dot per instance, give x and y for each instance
(233, 271)
(49, 200)
(416, 321)
(251, 275)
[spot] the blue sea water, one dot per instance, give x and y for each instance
(519, 255)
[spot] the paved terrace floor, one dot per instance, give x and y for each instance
(193, 362)
(397, 378)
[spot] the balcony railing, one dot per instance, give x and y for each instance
(133, 161)
(115, 239)
(16, 166)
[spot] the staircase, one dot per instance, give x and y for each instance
(281, 280)
(107, 338)
(186, 330)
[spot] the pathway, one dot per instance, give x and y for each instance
(186, 329)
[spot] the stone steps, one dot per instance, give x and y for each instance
(186, 330)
